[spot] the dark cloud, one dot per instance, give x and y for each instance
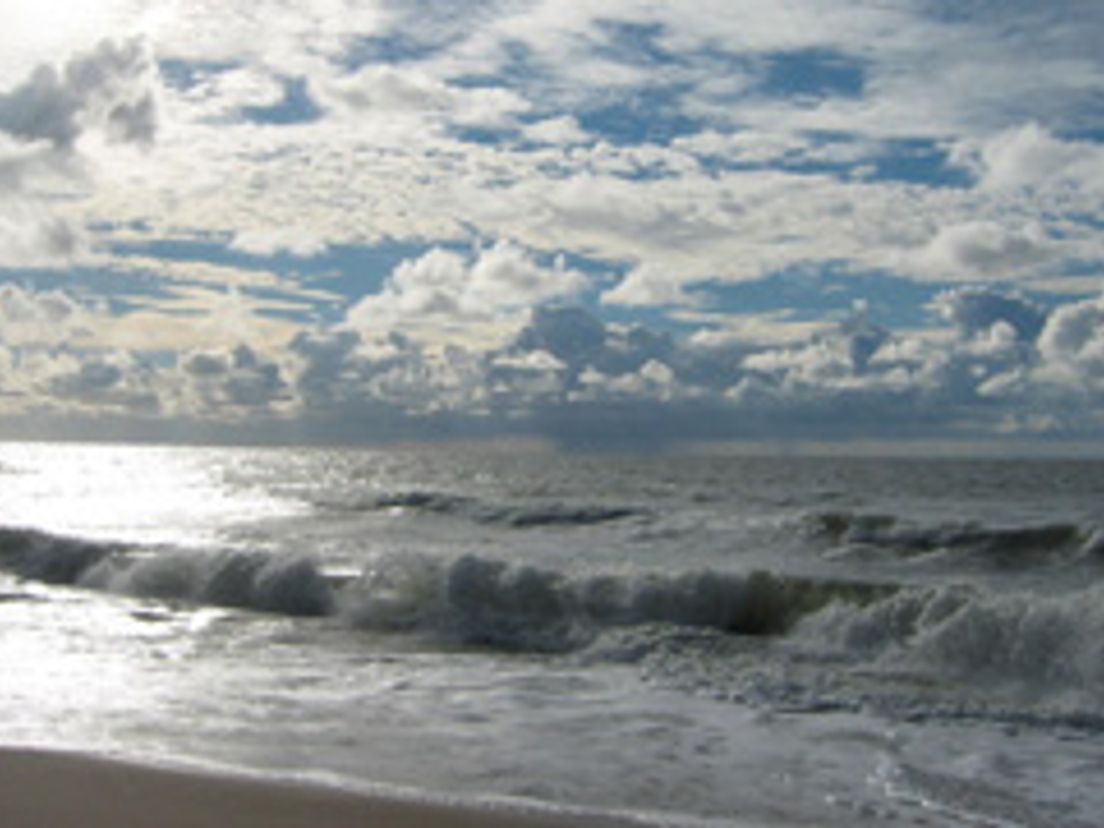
(231, 382)
(108, 88)
(974, 310)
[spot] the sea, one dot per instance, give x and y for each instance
(694, 638)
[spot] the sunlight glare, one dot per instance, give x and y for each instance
(37, 32)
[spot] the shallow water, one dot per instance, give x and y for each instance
(812, 641)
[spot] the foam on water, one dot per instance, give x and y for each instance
(1044, 646)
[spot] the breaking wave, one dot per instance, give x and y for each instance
(964, 631)
(758, 637)
(490, 602)
(252, 580)
(473, 600)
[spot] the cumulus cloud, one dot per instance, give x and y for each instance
(1072, 346)
(1003, 365)
(108, 383)
(974, 311)
(690, 178)
(463, 289)
(32, 236)
(1031, 156)
(986, 249)
(31, 318)
(647, 285)
(232, 383)
(109, 90)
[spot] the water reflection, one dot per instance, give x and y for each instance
(147, 495)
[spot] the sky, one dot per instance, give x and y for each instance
(626, 223)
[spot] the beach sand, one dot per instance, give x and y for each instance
(45, 789)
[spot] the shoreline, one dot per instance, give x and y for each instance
(66, 789)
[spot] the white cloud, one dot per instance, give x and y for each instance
(1072, 346)
(452, 289)
(648, 285)
(563, 130)
(1031, 156)
(985, 249)
(271, 241)
(28, 318)
(43, 120)
(33, 236)
(390, 92)
(386, 161)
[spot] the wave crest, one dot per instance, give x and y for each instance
(290, 585)
(517, 606)
(963, 631)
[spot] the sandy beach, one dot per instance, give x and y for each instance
(64, 790)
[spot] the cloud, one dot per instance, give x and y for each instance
(32, 236)
(110, 383)
(562, 130)
(1003, 366)
(232, 383)
(270, 242)
(30, 318)
(647, 285)
(451, 288)
(108, 88)
(433, 129)
(986, 249)
(1072, 346)
(677, 149)
(974, 311)
(1030, 156)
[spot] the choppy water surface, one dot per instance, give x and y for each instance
(812, 641)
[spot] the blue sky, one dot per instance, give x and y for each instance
(597, 223)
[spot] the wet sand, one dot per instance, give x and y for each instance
(66, 790)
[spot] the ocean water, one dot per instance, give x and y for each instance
(690, 639)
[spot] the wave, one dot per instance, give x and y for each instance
(509, 515)
(1042, 643)
(471, 599)
(514, 606)
(53, 559)
(1017, 546)
(949, 653)
(289, 585)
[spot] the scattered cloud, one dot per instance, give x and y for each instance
(452, 294)
(706, 218)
